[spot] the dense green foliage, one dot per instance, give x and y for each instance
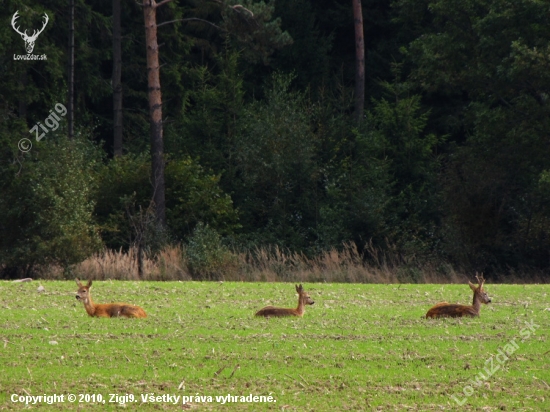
(358, 348)
(449, 164)
(46, 209)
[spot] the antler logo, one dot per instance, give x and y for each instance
(29, 40)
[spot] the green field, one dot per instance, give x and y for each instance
(360, 347)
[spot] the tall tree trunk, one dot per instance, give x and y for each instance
(155, 108)
(23, 81)
(70, 105)
(359, 61)
(116, 80)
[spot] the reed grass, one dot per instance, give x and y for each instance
(348, 264)
(169, 264)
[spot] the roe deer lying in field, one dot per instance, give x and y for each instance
(303, 299)
(106, 310)
(444, 309)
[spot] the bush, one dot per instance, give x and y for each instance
(207, 257)
(191, 196)
(46, 207)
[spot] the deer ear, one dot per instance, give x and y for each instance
(90, 283)
(472, 286)
(77, 280)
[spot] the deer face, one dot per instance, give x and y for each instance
(83, 292)
(307, 300)
(304, 297)
(483, 296)
(29, 42)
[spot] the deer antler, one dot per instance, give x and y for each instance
(480, 279)
(36, 33)
(238, 8)
(13, 21)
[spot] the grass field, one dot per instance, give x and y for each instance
(360, 347)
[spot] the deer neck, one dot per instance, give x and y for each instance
(301, 305)
(476, 304)
(89, 305)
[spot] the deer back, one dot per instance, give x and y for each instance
(445, 309)
(115, 310)
(277, 312)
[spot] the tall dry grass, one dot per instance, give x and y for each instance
(122, 265)
(272, 264)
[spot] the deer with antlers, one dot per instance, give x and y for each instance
(106, 310)
(29, 40)
(303, 300)
(444, 309)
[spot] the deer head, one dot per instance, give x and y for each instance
(83, 293)
(304, 297)
(29, 40)
(479, 293)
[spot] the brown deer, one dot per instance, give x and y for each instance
(106, 310)
(444, 309)
(303, 300)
